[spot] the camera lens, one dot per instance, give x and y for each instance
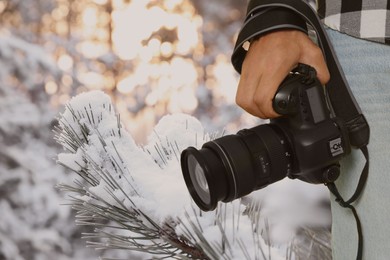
(198, 178)
(204, 175)
(235, 165)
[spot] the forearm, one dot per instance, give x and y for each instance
(279, 42)
(262, 19)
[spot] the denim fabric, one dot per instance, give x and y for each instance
(367, 69)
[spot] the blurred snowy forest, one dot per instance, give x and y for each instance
(153, 57)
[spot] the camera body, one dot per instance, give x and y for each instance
(318, 140)
(306, 143)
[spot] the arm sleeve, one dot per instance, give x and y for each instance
(261, 19)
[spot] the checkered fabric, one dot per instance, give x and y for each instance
(367, 19)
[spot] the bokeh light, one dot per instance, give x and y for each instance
(164, 56)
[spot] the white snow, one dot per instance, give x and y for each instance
(151, 176)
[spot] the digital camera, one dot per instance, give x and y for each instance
(306, 143)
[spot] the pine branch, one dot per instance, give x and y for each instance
(110, 199)
(105, 211)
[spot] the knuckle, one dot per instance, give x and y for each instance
(242, 101)
(262, 105)
(269, 113)
(257, 106)
(258, 100)
(262, 116)
(239, 102)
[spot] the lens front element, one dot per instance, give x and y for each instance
(198, 178)
(203, 174)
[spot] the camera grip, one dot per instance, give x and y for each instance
(285, 100)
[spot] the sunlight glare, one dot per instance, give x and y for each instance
(183, 100)
(51, 87)
(145, 54)
(171, 21)
(90, 17)
(60, 12)
(65, 62)
(138, 78)
(127, 85)
(3, 5)
(92, 49)
(154, 46)
(225, 78)
(183, 72)
(100, 2)
(187, 33)
(171, 4)
(128, 32)
(166, 49)
(67, 80)
(93, 80)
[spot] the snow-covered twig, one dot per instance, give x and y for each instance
(135, 198)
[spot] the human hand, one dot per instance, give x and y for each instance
(268, 61)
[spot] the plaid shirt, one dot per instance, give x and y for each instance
(366, 19)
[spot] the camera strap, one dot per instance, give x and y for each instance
(264, 16)
(348, 204)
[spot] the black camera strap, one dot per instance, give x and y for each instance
(348, 204)
(264, 16)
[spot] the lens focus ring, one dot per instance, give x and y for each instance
(272, 147)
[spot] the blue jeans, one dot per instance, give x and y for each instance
(367, 69)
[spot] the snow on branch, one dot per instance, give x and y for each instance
(134, 196)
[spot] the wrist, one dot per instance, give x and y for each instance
(262, 20)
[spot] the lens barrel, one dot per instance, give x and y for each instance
(235, 165)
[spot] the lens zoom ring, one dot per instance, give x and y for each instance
(275, 144)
